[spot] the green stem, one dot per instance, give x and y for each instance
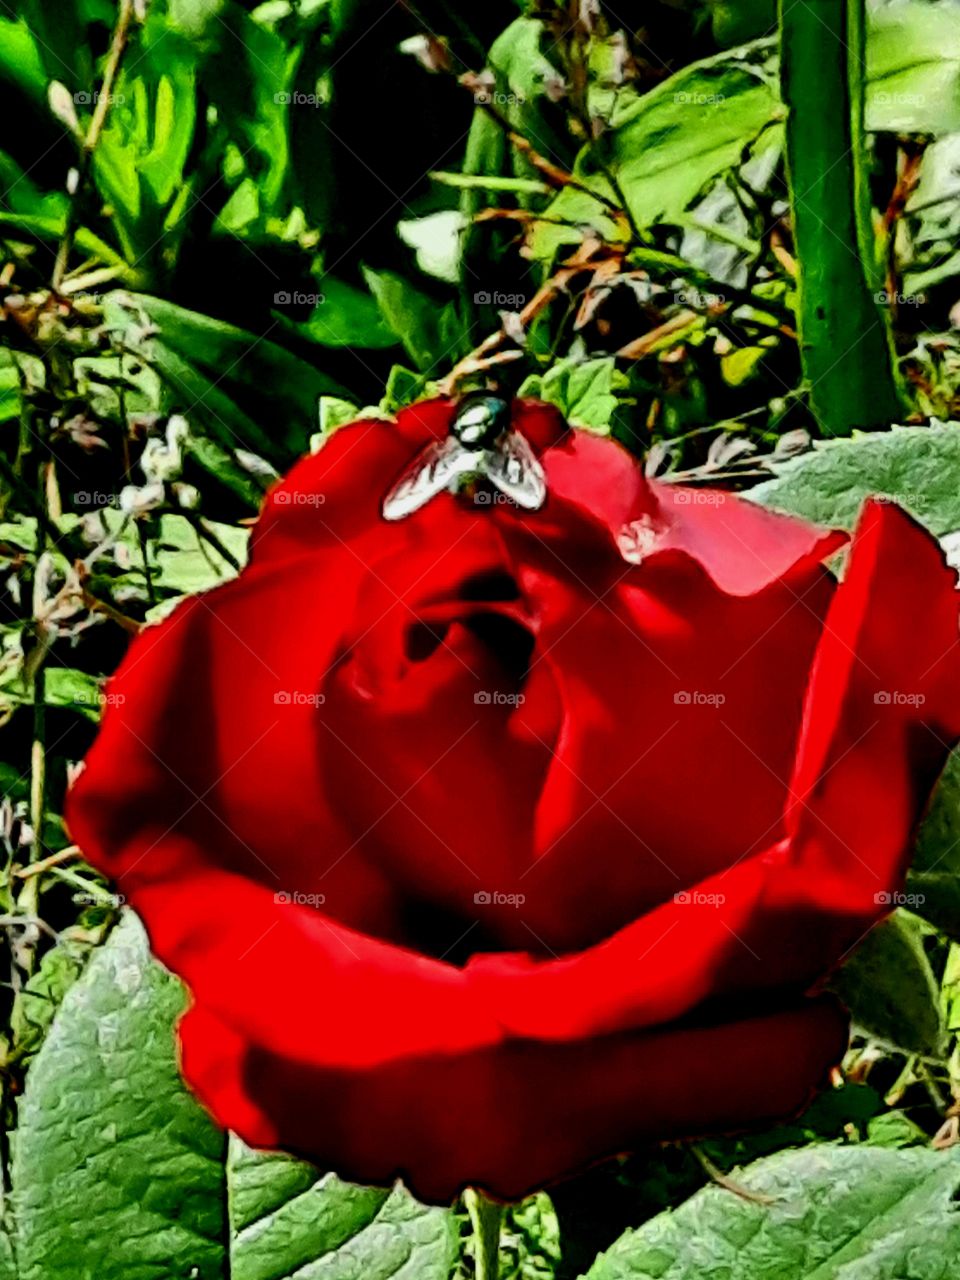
(845, 339)
(485, 1218)
(118, 43)
(28, 902)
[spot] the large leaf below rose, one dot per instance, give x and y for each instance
(838, 1213)
(119, 1173)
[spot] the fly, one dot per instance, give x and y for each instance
(481, 443)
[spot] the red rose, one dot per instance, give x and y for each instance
(492, 843)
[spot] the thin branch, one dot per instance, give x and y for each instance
(111, 68)
(724, 1180)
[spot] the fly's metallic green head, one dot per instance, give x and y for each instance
(481, 419)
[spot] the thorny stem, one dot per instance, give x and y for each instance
(121, 33)
(485, 1218)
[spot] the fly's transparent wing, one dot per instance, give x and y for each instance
(434, 469)
(516, 471)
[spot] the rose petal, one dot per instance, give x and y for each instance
(741, 546)
(516, 1116)
(213, 733)
(783, 918)
(682, 705)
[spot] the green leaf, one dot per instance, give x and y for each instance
(917, 467)
(285, 1215)
(186, 563)
(839, 1213)
(223, 465)
(64, 40)
(913, 69)
(530, 1241)
(895, 1129)
(38, 1002)
(346, 317)
(667, 145)
(248, 76)
(933, 881)
(118, 1172)
(20, 60)
(23, 198)
(585, 392)
(63, 687)
(49, 228)
(432, 336)
(889, 987)
(523, 71)
(245, 388)
(140, 159)
(195, 17)
(334, 413)
(403, 387)
(734, 21)
(490, 182)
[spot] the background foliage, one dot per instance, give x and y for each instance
(227, 227)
